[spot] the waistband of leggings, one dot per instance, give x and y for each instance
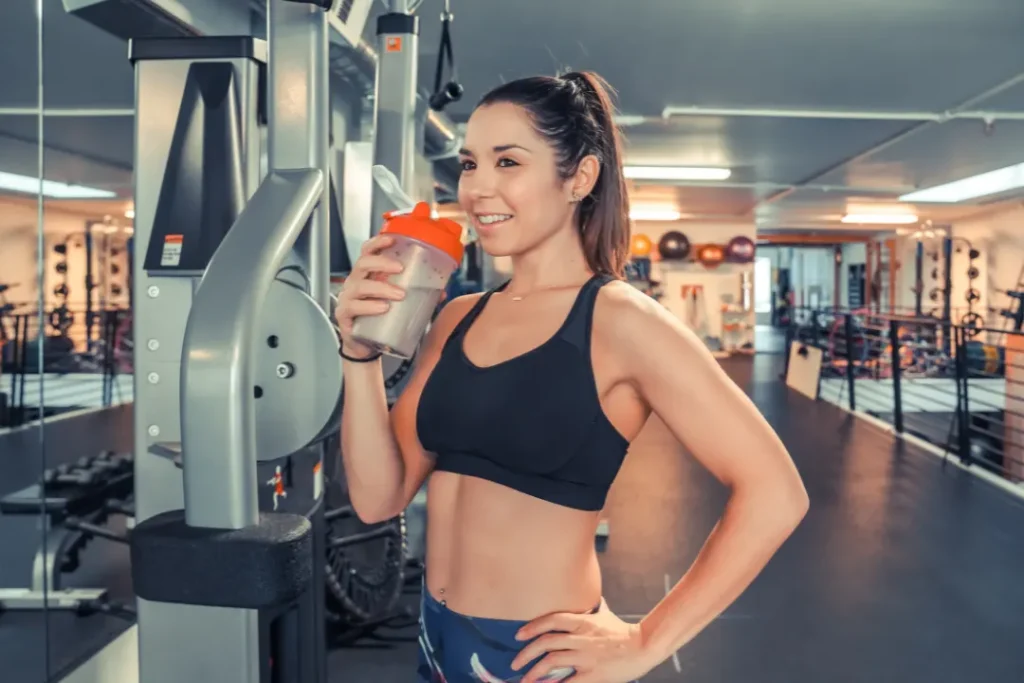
(430, 601)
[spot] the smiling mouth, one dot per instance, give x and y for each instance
(492, 219)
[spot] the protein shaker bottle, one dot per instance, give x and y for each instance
(430, 249)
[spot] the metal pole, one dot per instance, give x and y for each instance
(947, 287)
(298, 97)
(65, 112)
(918, 278)
(845, 114)
(897, 395)
(394, 106)
(963, 376)
(849, 360)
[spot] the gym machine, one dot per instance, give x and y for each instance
(76, 500)
(237, 381)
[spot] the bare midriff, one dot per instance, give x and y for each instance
(496, 553)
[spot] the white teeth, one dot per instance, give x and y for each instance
(492, 218)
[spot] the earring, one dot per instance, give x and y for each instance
(575, 198)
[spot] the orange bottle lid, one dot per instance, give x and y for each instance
(440, 233)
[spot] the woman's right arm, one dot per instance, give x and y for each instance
(385, 465)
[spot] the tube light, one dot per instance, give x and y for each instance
(654, 215)
(993, 182)
(51, 188)
(676, 173)
(880, 218)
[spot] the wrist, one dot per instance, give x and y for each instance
(653, 649)
(358, 353)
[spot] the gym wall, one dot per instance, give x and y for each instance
(715, 281)
(18, 258)
(906, 253)
(811, 272)
(1000, 239)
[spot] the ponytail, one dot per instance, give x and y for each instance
(575, 114)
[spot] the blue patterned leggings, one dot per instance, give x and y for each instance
(455, 648)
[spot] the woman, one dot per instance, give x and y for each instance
(524, 402)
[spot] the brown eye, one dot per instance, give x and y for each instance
(506, 163)
(467, 165)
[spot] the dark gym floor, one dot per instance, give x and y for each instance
(902, 571)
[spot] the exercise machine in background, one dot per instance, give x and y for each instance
(238, 383)
(237, 378)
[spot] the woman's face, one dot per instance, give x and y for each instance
(510, 186)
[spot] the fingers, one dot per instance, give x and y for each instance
(360, 307)
(375, 263)
(375, 244)
(554, 667)
(552, 642)
(374, 289)
(559, 621)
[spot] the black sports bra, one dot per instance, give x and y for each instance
(533, 423)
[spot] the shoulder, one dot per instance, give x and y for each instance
(635, 327)
(451, 314)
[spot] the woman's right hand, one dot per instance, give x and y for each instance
(366, 290)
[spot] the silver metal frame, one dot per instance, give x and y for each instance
(201, 335)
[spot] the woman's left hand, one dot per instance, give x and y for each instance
(600, 648)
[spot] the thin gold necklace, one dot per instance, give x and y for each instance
(520, 297)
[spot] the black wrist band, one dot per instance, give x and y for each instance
(372, 357)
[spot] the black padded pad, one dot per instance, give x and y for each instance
(258, 567)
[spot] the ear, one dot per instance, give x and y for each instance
(586, 176)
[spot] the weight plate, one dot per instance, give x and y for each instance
(972, 322)
(297, 372)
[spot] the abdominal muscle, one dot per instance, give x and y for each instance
(496, 553)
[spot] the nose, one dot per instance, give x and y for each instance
(477, 185)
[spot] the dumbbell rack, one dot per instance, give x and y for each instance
(63, 492)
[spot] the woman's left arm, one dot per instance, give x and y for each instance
(718, 423)
(675, 373)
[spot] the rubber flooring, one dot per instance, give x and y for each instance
(903, 570)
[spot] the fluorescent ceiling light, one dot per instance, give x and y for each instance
(654, 215)
(676, 173)
(993, 182)
(880, 218)
(51, 188)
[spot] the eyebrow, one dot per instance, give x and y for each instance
(497, 148)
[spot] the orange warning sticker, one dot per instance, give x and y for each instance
(171, 255)
(318, 480)
(393, 44)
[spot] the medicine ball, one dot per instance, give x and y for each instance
(673, 246)
(640, 246)
(711, 255)
(740, 249)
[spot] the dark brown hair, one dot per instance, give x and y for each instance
(574, 112)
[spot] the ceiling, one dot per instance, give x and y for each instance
(761, 60)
